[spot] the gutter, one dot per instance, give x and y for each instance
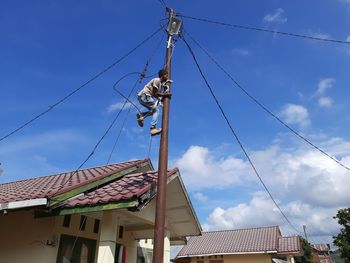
(23, 204)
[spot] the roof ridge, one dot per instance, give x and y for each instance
(72, 171)
(247, 228)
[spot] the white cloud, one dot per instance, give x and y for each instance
(300, 172)
(308, 186)
(201, 197)
(201, 169)
(118, 106)
(325, 102)
(348, 37)
(295, 114)
(241, 51)
(276, 17)
(260, 211)
(324, 85)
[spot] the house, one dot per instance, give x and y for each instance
(97, 214)
(251, 245)
(321, 253)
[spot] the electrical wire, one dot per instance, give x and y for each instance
(51, 107)
(119, 133)
(267, 30)
(235, 134)
(121, 94)
(127, 99)
(92, 152)
(237, 84)
(100, 140)
(163, 3)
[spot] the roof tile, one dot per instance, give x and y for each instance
(130, 186)
(232, 241)
(49, 186)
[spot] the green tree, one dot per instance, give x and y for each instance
(307, 257)
(342, 240)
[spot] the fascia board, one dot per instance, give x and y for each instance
(23, 204)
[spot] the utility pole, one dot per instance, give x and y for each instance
(304, 227)
(158, 248)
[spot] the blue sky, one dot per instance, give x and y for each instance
(49, 48)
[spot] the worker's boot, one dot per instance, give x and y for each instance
(139, 119)
(155, 131)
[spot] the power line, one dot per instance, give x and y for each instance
(264, 107)
(266, 30)
(118, 136)
(163, 3)
(51, 107)
(126, 99)
(102, 137)
(235, 135)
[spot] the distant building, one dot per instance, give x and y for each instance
(251, 245)
(321, 253)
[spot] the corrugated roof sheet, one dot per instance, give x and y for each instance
(130, 186)
(232, 241)
(48, 186)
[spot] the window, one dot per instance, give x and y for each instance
(82, 223)
(121, 232)
(66, 220)
(96, 226)
(76, 250)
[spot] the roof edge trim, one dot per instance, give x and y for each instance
(23, 204)
(232, 253)
(56, 200)
(98, 208)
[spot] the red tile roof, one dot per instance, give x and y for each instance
(251, 240)
(49, 186)
(128, 187)
(289, 245)
(321, 247)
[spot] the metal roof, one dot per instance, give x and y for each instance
(250, 240)
(241, 241)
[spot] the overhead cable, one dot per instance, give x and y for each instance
(237, 84)
(101, 139)
(51, 107)
(266, 30)
(235, 134)
(163, 3)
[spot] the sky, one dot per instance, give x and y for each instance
(50, 48)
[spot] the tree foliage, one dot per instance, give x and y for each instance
(342, 240)
(307, 257)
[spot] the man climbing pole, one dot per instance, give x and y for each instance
(150, 97)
